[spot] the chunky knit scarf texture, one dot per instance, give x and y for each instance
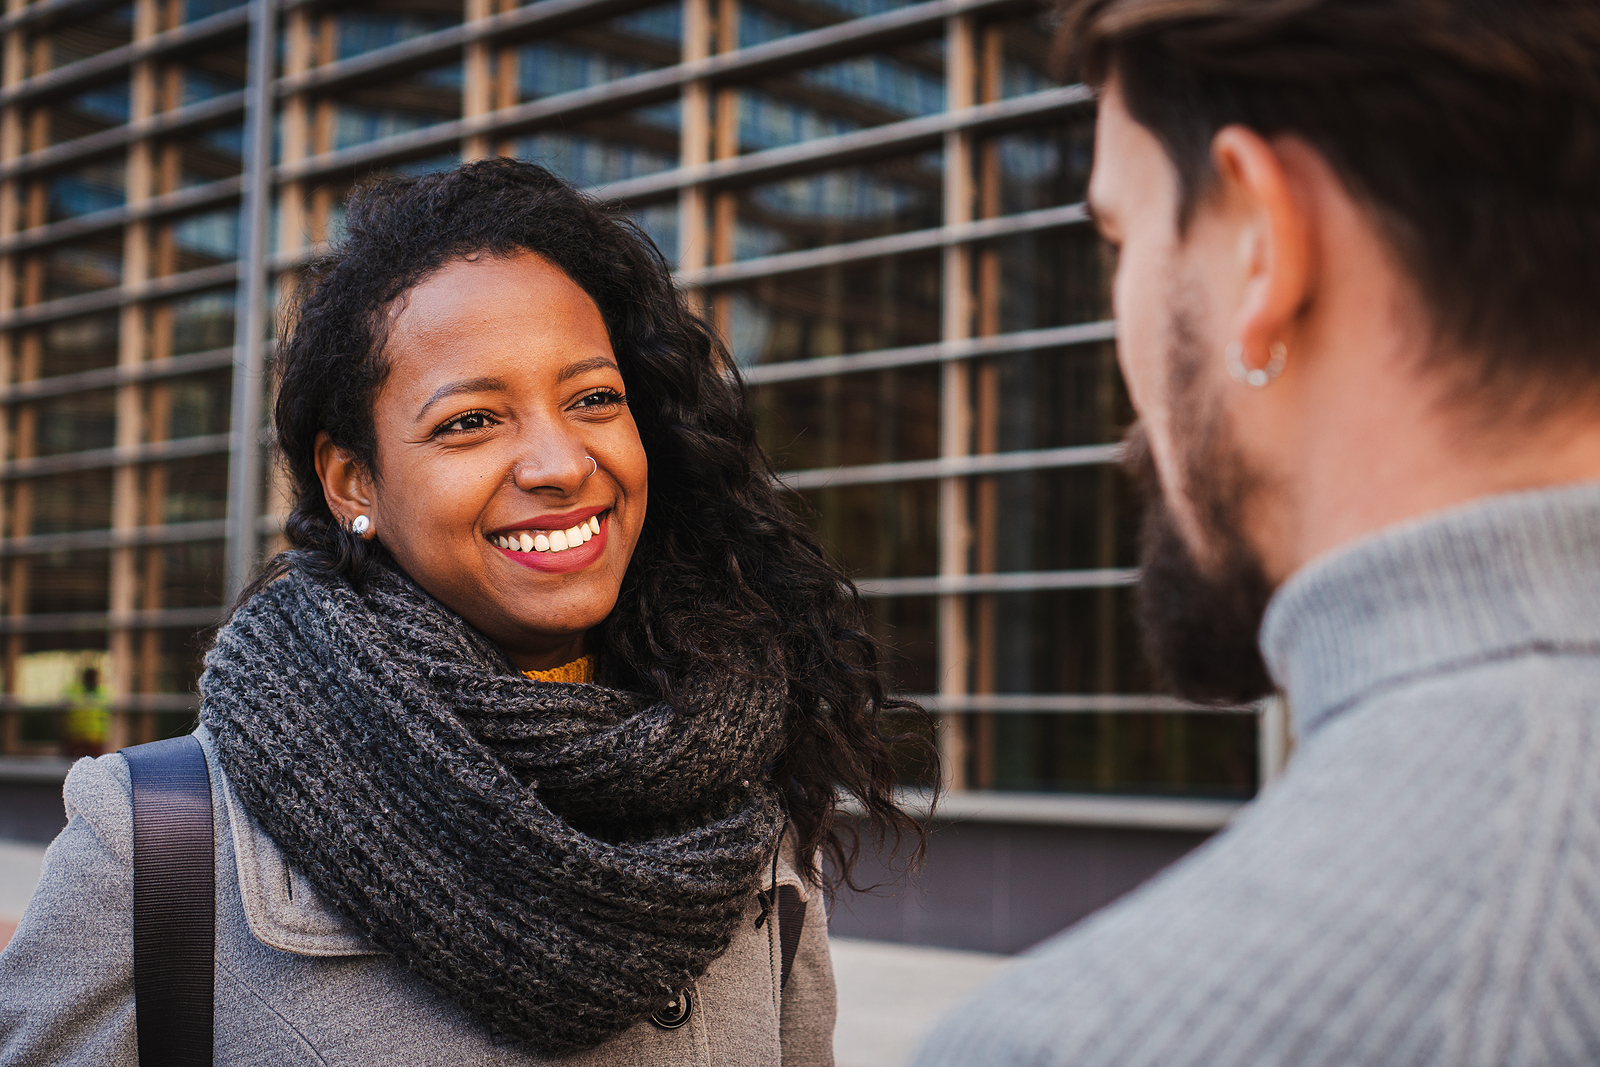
(558, 859)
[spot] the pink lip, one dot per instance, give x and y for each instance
(568, 561)
(565, 521)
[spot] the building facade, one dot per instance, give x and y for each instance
(877, 202)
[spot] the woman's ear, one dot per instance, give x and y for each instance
(346, 484)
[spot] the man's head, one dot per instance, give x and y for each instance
(1395, 203)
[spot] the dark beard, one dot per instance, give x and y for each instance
(1200, 629)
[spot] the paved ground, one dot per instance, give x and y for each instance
(888, 994)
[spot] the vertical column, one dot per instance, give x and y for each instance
(955, 404)
(986, 426)
(130, 352)
(695, 132)
(13, 67)
(478, 83)
(725, 145)
(250, 315)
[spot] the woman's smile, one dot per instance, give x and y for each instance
(559, 543)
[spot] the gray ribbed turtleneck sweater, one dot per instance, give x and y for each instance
(1423, 885)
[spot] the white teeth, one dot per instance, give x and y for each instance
(553, 540)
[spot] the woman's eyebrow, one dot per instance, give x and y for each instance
(584, 366)
(469, 385)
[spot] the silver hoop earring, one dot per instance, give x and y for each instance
(1278, 355)
(593, 472)
(360, 525)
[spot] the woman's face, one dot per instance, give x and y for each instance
(510, 479)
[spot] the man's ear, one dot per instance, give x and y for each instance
(346, 485)
(1275, 253)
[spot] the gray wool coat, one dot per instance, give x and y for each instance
(295, 984)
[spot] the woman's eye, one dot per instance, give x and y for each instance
(601, 398)
(468, 422)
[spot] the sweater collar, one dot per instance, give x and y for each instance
(1488, 579)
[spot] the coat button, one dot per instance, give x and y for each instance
(675, 1013)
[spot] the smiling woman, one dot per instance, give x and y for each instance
(534, 742)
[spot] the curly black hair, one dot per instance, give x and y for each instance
(722, 561)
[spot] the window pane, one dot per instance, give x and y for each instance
(850, 94)
(76, 422)
(97, 187)
(68, 581)
(191, 490)
(1073, 518)
(182, 576)
(356, 31)
(1195, 754)
(65, 503)
(836, 206)
(1048, 278)
(391, 108)
(875, 417)
(908, 626)
(87, 112)
(81, 343)
(878, 531)
(1059, 641)
(83, 267)
(853, 307)
(80, 38)
(202, 158)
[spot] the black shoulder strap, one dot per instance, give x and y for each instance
(791, 920)
(174, 902)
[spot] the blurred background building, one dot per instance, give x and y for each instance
(879, 204)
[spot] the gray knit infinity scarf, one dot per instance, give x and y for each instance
(558, 859)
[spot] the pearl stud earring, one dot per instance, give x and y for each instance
(360, 525)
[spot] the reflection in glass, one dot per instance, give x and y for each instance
(853, 307)
(875, 417)
(69, 581)
(358, 31)
(83, 342)
(83, 267)
(1150, 753)
(613, 148)
(203, 240)
(371, 113)
(1069, 518)
(91, 111)
(82, 37)
(64, 503)
(850, 94)
(1051, 278)
(96, 187)
(76, 422)
(878, 531)
(835, 206)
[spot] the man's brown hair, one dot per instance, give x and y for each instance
(1469, 128)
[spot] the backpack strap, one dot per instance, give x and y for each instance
(791, 920)
(174, 902)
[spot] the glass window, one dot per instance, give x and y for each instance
(1069, 518)
(1025, 170)
(613, 148)
(836, 206)
(201, 158)
(191, 406)
(80, 38)
(1054, 277)
(1151, 753)
(194, 242)
(853, 307)
(195, 10)
(1050, 398)
(83, 342)
(87, 112)
(849, 94)
(356, 31)
(83, 267)
(195, 489)
(65, 503)
(388, 109)
(76, 422)
(96, 187)
(878, 531)
(874, 417)
(199, 323)
(1061, 641)
(759, 23)
(68, 581)
(183, 575)
(204, 76)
